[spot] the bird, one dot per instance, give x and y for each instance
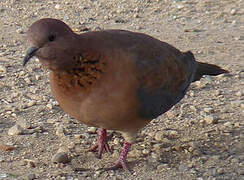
(113, 79)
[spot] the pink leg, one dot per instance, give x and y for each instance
(102, 143)
(121, 162)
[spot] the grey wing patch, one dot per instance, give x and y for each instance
(153, 104)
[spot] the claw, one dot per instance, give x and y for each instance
(121, 162)
(102, 143)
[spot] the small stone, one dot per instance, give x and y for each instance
(228, 124)
(51, 121)
(31, 176)
(29, 163)
(63, 149)
(136, 15)
(91, 130)
(193, 145)
(155, 156)
(242, 105)
(60, 131)
(236, 103)
(200, 84)
(24, 124)
(37, 77)
(239, 93)
(211, 119)
(235, 160)
(200, 178)
(71, 145)
(193, 108)
(237, 124)
(61, 157)
(15, 130)
(145, 151)
(4, 147)
(77, 136)
(49, 106)
(179, 6)
(27, 80)
(183, 167)
(31, 103)
(170, 114)
(159, 136)
(135, 153)
(116, 141)
(57, 6)
(162, 167)
(220, 171)
(208, 110)
(172, 134)
(217, 92)
(233, 11)
(20, 31)
(3, 69)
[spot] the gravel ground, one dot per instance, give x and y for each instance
(201, 138)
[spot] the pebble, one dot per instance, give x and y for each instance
(208, 110)
(135, 153)
(31, 103)
(193, 108)
(3, 69)
(24, 124)
(239, 93)
(171, 114)
(183, 167)
(57, 6)
(31, 176)
(20, 31)
(162, 167)
(4, 147)
(200, 84)
(217, 92)
(242, 105)
(63, 149)
(172, 134)
(145, 151)
(211, 119)
(29, 163)
(49, 106)
(61, 157)
(233, 11)
(116, 141)
(136, 15)
(60, 131)
(91, 130)
(159, 136)
(15, 130)
(51, 121)
(228, 124)
(236, 103)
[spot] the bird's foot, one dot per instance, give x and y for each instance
(121, 162)
(102, 143)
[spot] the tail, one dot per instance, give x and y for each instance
(207, 69)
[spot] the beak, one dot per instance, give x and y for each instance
(29, 54)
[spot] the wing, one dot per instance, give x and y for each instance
(163, 80)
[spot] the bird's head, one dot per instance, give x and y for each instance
(51, 42)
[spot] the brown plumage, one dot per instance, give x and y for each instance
(113, 79)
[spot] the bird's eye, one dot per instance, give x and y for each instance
(51, 37)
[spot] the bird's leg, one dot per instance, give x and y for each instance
(121, 162)
(102, 143)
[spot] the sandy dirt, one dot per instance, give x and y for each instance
(201, 138)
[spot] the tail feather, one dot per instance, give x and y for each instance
(207, 69)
